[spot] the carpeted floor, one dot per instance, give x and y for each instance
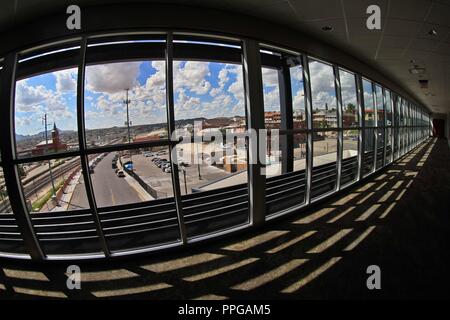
(398, 220)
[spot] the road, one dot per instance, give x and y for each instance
(109, 190)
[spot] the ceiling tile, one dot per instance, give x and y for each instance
(439, 14)
(316, 10)
(402, 9)
(400, 27)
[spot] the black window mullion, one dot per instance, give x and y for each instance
(10, 171)
(170, 109)
(82, 142)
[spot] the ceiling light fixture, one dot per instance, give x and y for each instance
(417, 70)
(327, 28)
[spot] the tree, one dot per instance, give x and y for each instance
(351, 108)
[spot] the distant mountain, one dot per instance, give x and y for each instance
(40, 135)
(20, 137)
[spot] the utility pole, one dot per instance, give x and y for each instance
(49, 163)
(127, 101)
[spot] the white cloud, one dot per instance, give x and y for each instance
(272, 100)
(191, 75)
(112, 78)
(66, 80)
(322, 85)
(29, 97)
(270, 77)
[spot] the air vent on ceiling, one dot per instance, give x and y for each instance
(423, 84)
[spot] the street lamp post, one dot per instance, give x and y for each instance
(183, 168)
(49, 163)
(198, 163)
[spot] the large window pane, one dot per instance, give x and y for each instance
(53, 185)
(285, 153)
(271, 90)
(369, 104)
(389, 139)
(387, 94)
(140, 179)
(208, 111)
(324, 162)
(10, 235)
(379, 105)
(380, 147)
(369, 150)
(350, 156)
(298, 97)
(131, 176)
(125, 103)
(324, 111)
(56, 198)
(349, 101)
(212, 158)
(45, 113)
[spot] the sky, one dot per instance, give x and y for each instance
(201, 89)
(51, 93)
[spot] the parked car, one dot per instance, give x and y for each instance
(120, 174)
(168, 170)
(114, 165)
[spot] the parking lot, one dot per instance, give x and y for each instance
(191, 175)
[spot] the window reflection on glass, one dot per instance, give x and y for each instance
(125, 102)
(369, 150)
(271, 91)
(324, 162)
(380, 147)
(325, 147)
(324, 110)
(351, 138)
(300, 141)
(210, 116)
(379, 105)
(403, 113)
(369, 115)
(131, 176)
(53, 185)
(388, 144)
(388, 108)
(349, 102)
(349, 156)
(298, 97)
(45, 113)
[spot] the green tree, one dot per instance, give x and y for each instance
(350, 108)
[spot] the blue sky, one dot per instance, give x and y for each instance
(51, 93)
